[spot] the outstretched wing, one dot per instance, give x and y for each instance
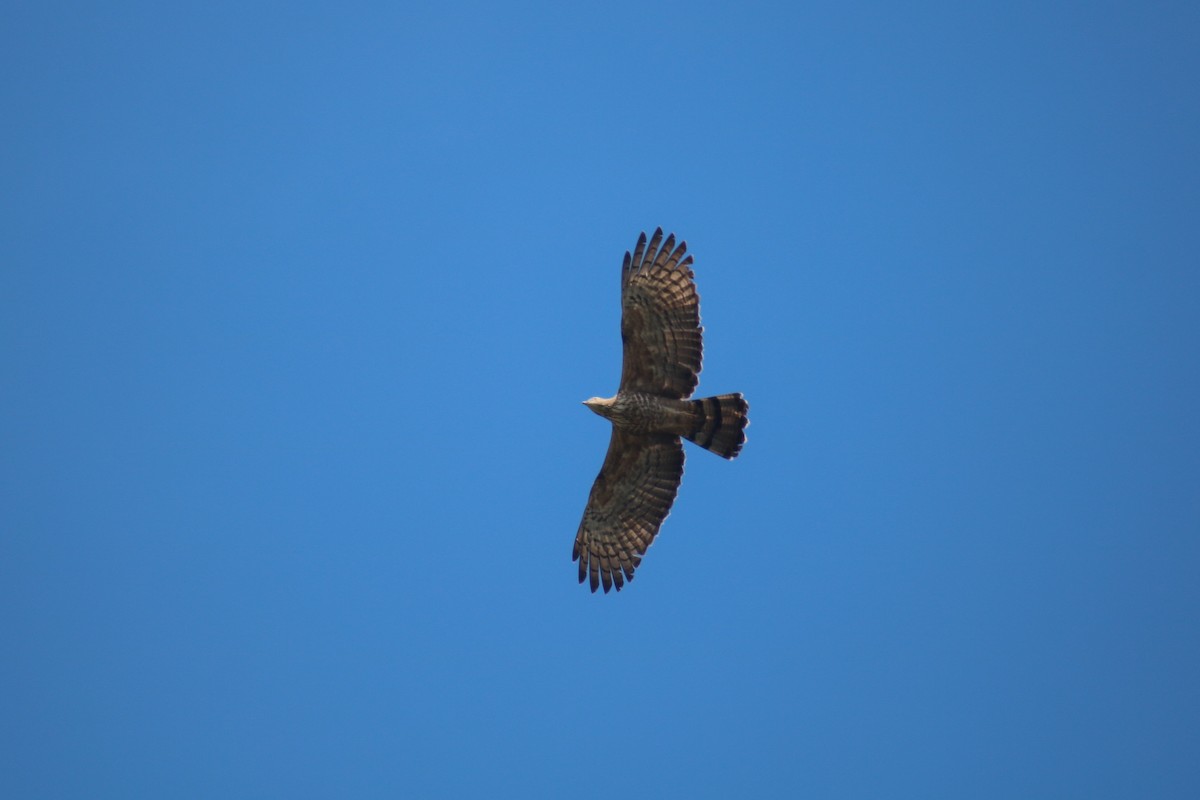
(660, 319)
(629, 501)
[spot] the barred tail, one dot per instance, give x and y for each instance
(719, 424)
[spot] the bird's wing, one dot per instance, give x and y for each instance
(660, 319)
(629, 501)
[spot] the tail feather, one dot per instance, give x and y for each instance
(719, 424)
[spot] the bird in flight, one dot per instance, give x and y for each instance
(632, 495)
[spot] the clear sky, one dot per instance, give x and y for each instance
(299, 302)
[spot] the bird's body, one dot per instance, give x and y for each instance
(697, 420)
(660, 328)
(635, 412)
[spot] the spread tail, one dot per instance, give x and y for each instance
(719, 424)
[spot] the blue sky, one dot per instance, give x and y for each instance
(300, 301)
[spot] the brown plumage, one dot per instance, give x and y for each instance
(660, 328)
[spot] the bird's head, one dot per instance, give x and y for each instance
(599, 405)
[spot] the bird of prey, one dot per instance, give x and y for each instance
(660, 328)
